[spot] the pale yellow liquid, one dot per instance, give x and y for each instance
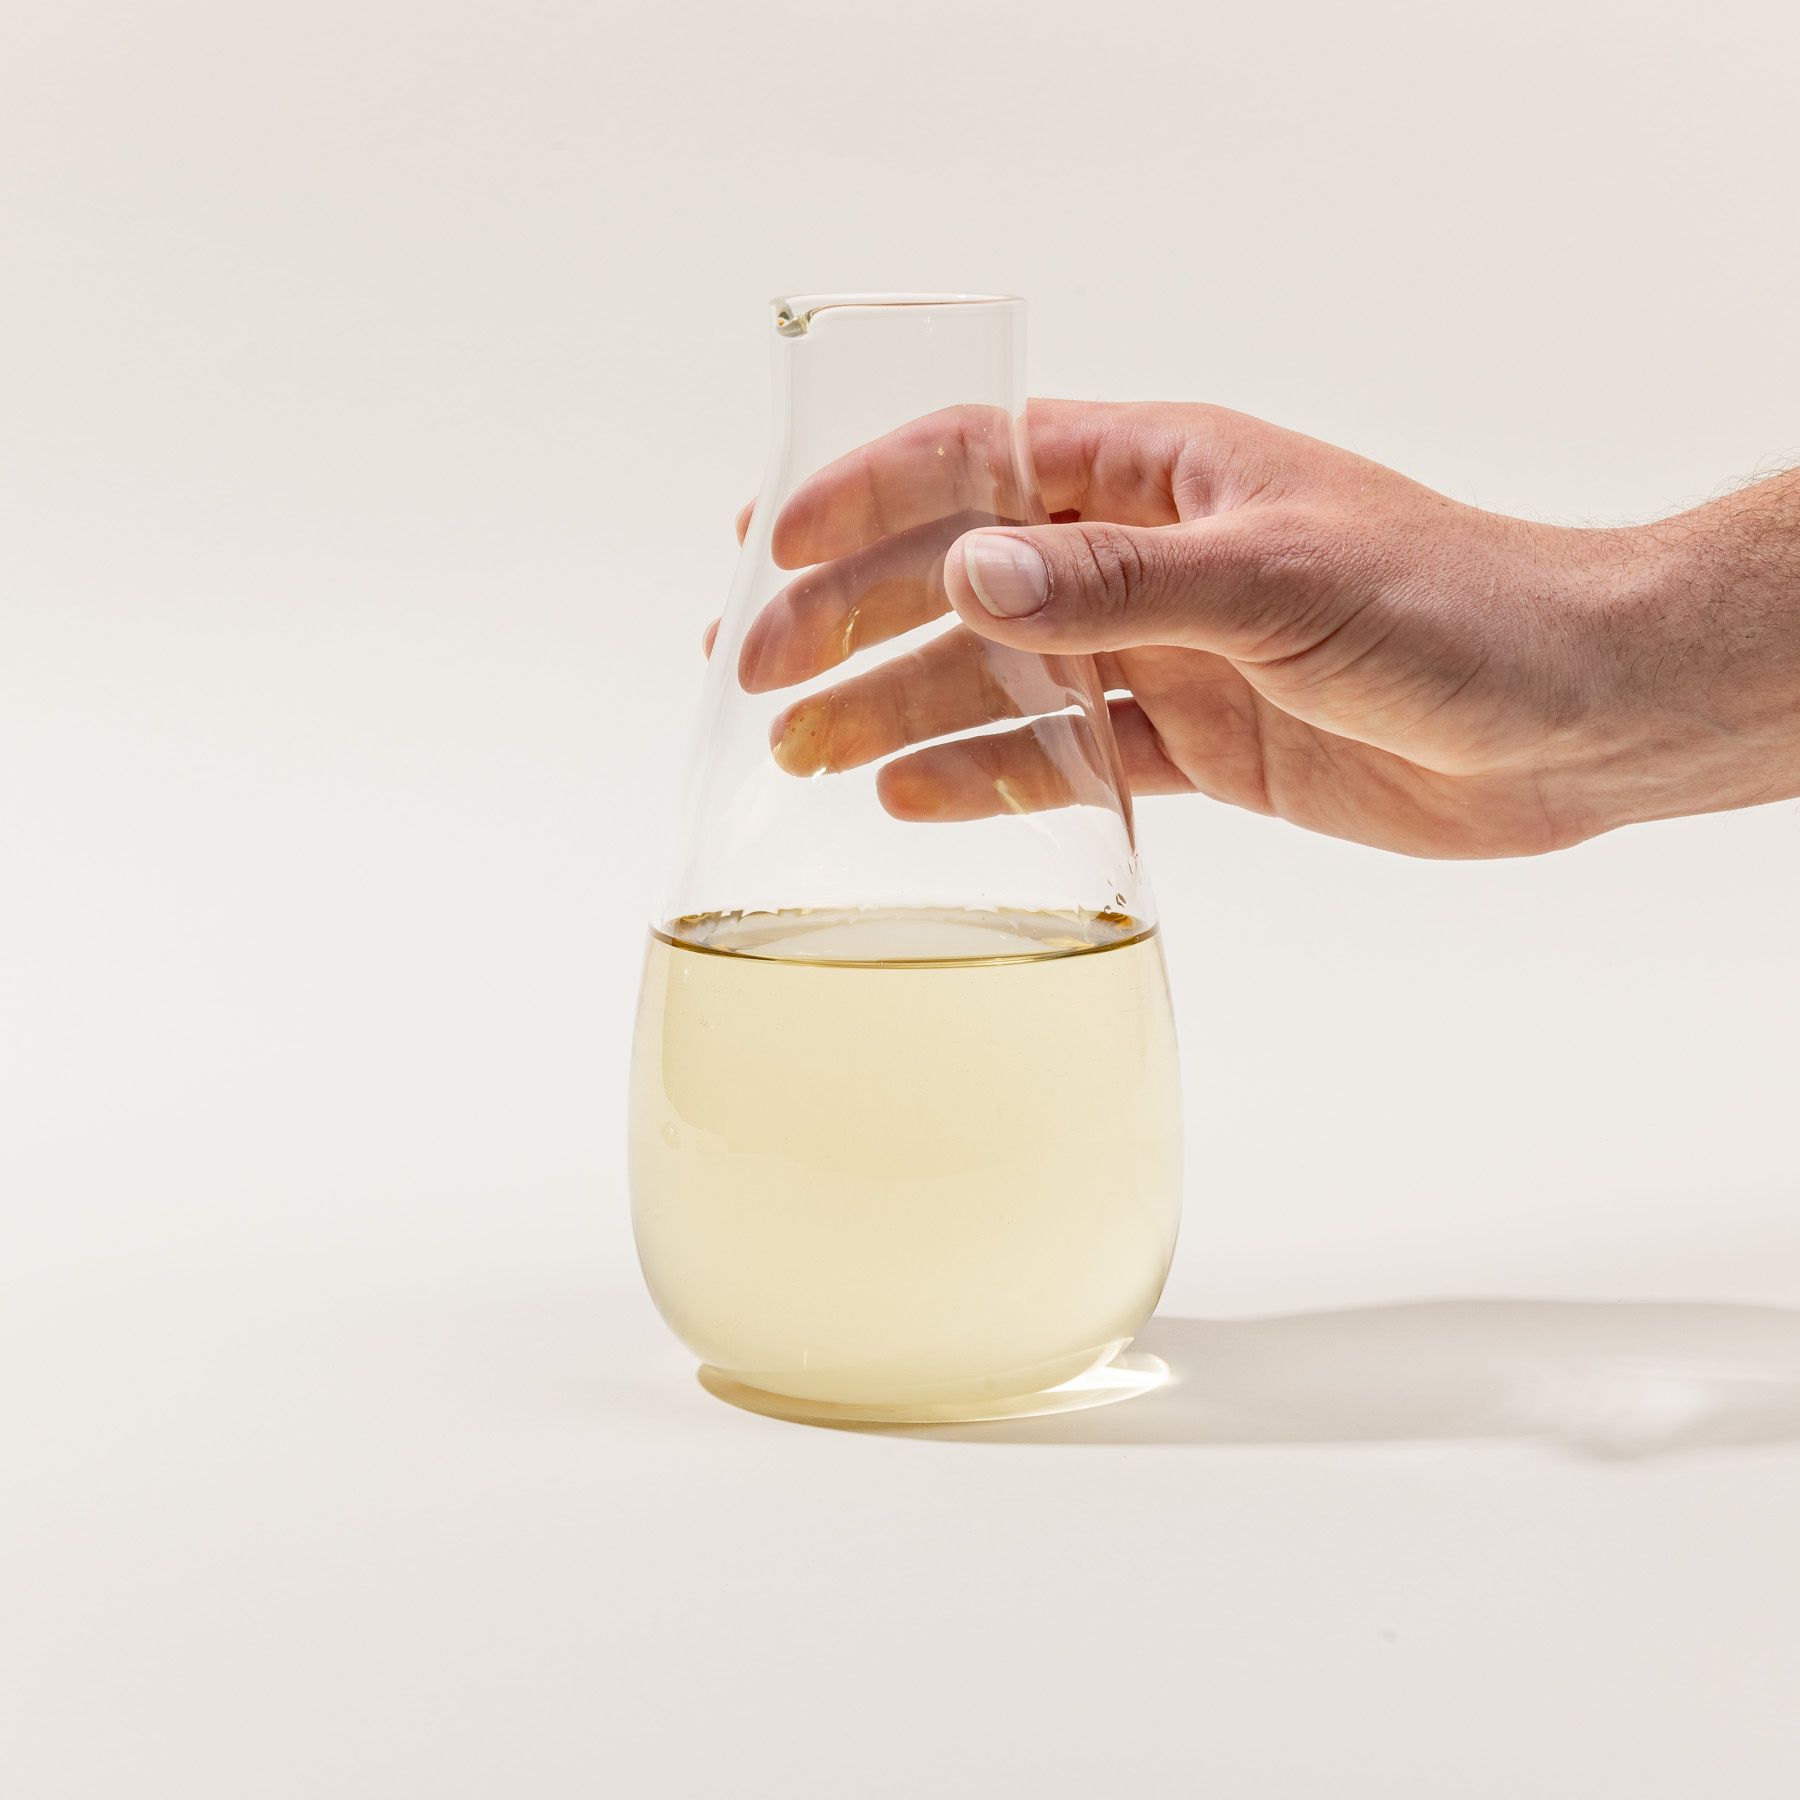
(896, 1158)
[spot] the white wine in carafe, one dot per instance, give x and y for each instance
(905, 1157)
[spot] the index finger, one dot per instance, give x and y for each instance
(963, 459)
(1106, 460)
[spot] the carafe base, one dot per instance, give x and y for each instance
(1123, 1376)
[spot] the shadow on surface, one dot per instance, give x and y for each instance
(1616, 1379)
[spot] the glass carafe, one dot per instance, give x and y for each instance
(905, 1124)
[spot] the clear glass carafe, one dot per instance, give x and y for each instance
(905, 1125)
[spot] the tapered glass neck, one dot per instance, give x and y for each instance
(849, 367)
(860, 748)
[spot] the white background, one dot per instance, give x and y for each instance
(377, 382)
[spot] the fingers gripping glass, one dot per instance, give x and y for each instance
(905, 1137)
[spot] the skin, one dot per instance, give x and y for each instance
(1284, 626)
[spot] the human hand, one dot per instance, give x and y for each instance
(1291, 628)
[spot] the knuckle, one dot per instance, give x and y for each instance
(1114, 568)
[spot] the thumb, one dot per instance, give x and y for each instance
(1092, 587)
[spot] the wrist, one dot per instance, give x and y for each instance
(1696, 659)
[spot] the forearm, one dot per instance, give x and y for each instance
(1702, 623)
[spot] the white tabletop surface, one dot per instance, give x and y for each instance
(346, 1455)
(362, 515)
